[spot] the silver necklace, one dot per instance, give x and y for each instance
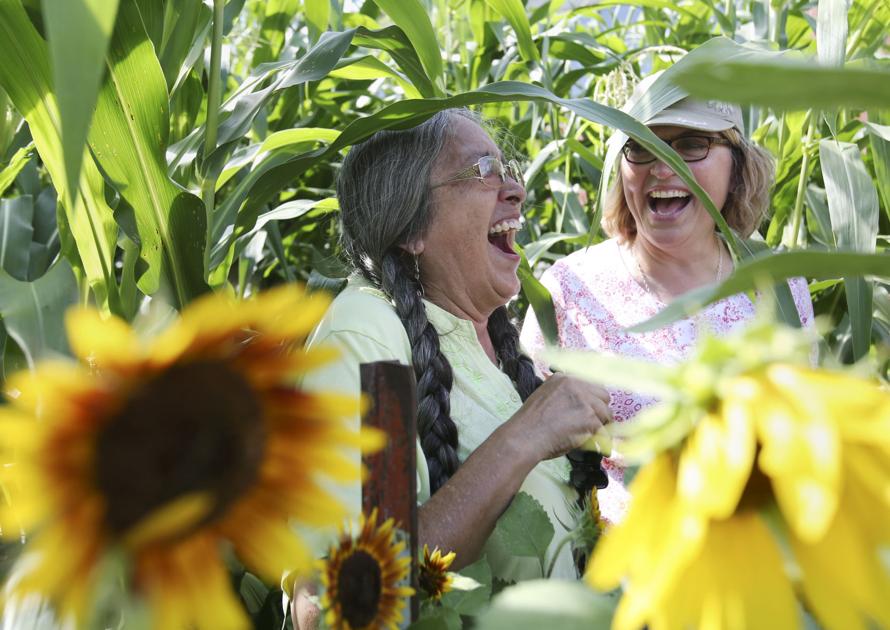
(645, 278)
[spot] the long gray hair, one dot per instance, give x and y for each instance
(384, 193)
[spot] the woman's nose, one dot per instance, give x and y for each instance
(661, 170)
(512, 191)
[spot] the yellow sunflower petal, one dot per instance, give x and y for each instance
(649, 550)
(289, 313)
(51, 391)
(740, 579)
(189, 587)
(267, 546)
(86, 417)
(716, 462)
(179, 515)
(844, 578)
(101, 341)
(800, 450)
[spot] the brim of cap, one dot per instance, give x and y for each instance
(700, 121)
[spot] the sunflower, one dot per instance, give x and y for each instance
(362, 577)
(433, 577)
(805, 448)
(174, 450)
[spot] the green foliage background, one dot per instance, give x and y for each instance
(173, 147)
(152, 150)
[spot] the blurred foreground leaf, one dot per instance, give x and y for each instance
(540, 604)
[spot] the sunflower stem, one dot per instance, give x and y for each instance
(562, 543)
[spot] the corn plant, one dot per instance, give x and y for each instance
(154, 150)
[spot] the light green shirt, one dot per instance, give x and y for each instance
(363, 324)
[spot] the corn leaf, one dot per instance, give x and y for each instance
(514, 12)
(318, 14)
(879, 139)
(786, 84)
(78, 31)
(186, 23)
(394, 42)
(278, 14)
(831, 32)
(368, 67)
(239, 111)
(128, 138)
(412, 18)
(539, 300)
(25, 76)
(33, 312)
(853, 208)
(16, 163)
(752, 273)
(16, 232)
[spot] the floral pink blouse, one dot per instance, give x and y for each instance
(596, 298)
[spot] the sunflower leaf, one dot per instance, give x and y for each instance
(524, 528)
(438, 618)
(470, 589)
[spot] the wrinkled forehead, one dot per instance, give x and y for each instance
(468, 142)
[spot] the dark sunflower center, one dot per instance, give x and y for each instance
(431, 580)
(195, 427)
(359, 586)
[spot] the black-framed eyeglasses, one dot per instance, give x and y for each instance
(490, 170)
(690, 148)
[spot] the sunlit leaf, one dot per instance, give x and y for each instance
(368, 67)
(394, 42)
(620, 372)
(128, 138)
(318, 14)
(25, 76)
(78, 32)
(16, 163)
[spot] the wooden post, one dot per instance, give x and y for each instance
(391, 485)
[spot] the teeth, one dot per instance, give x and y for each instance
(668, 194)
(505, 226)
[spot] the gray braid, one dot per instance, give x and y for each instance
(384, 196)
(516, 365)
(436, 429)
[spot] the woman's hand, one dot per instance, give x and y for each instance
(560, 415)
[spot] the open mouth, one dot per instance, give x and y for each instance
(502, 236)
(668, 203)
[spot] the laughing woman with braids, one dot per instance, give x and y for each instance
(428, 220)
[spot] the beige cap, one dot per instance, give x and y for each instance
(702, 115)
(683, 110)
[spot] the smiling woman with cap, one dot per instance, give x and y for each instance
(663, 243)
